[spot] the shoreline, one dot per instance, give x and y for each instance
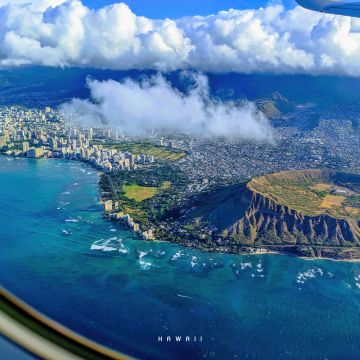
(253, 250)
(329, 258)
(260, 251)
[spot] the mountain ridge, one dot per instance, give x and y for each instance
(245, 217)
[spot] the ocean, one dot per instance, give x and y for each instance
(62, 257)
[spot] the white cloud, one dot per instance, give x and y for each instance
(37, 5)
(139, 107)
(271, 39)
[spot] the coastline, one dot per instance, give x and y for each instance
(262, 251)
(329, 258)
(134, 282)
(245, 251)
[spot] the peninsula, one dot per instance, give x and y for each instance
(313, 213)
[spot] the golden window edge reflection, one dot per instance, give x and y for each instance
(44, 337)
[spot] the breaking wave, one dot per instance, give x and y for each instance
(108, 245)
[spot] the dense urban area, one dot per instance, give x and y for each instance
(146, 182)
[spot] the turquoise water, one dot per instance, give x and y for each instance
(61, 256)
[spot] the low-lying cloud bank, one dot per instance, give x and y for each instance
(272, 39)
(138, 107)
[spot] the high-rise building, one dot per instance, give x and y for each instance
(2, 141)
(108, 205)
(142, 159)
(53, 142)
(120, 215)
(35, 153)
(25, 146)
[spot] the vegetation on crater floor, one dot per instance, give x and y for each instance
(312, 192)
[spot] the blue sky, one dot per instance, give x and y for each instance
(179, 8)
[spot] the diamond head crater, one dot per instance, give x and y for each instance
(310, 213)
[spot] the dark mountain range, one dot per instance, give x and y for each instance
(275, 105)
(37, 87)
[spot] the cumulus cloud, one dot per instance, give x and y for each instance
(37, 5)
(138, 107)
(271, 39)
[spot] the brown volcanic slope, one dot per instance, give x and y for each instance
(313, 208)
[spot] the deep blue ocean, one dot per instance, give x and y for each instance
(59, 255)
